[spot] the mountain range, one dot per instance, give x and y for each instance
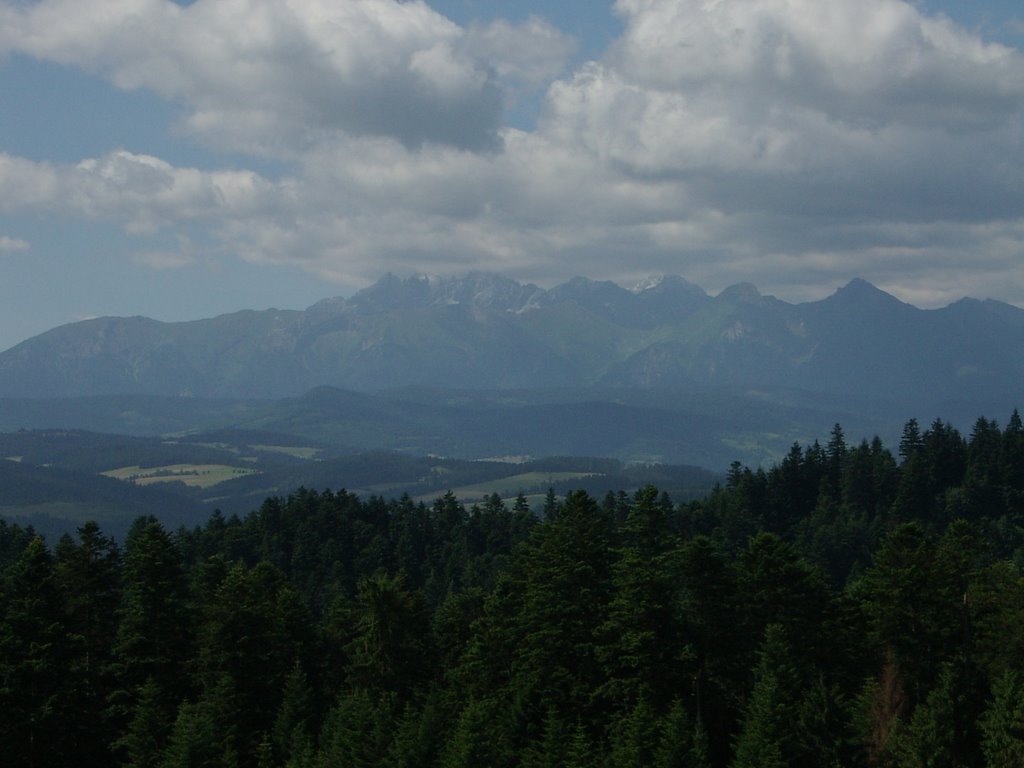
(484, 331)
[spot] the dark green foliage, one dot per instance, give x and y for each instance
(34, 649)
(88, 575)
(419, 735)
(943, 732)
(154, 637)
(478, 737)
(644, 649)
(390, 649)
(565, 598)
(767, 737)
(357, 731)
(634, 738)
(836, 610)
(204, 733)
(294, 724)
(147, 732)
(1002, 724)
(681, 741)
(915, 610)
(251, 636)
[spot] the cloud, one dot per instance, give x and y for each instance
(273, 76)
(791, 143)
(525, 55)
(142, 193)
(12, 244)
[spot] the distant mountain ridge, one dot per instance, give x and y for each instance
(482, 330)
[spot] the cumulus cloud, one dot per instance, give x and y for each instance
(143, 193)
(529, 54)
(12, 244)
(791, 143)
(276, 75)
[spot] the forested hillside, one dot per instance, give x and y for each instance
(851, 606)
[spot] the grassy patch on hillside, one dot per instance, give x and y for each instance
(198, 475)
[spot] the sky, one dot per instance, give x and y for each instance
(184, 159)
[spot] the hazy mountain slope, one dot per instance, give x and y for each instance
(868, 342)
(483, 331)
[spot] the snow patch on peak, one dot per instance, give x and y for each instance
(648, 283)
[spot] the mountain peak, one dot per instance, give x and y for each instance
(473, 289)
(666, 283)
(862, 291)
(740, 292)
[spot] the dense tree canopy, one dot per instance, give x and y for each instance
(847, 607)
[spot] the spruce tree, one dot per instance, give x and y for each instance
(643, 648)
(766, 739)
(1002, 724)
(154, 638)
(34, 652)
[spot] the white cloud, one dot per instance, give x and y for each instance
(792, 143)
(273, 76)
(12, 244)
(529, 54)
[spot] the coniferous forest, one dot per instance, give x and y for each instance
(853, 605)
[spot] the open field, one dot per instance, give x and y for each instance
(198, 475)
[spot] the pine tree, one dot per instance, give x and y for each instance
(389, 650)
(778, 586)
(148, 730)
(682, 741)
(33, 663)
(203, 734)
(357, 731)
(478, 738)
(550, 750)
(983, 477)
(1002, 724)
(566, 573)
(154, 636)
(293, 729)
(1011, 466)
(634, 738)
(911, 609)
(714, 629)
(419, 735)
(942, 732)
(251, 634)
(644, 653)
(88, 574)
(766, 737)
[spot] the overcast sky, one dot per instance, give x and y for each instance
(182, 160)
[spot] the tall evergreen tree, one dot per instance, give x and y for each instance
(154, 639)
(390, 648)
(1002, 724)
(357, 731)
(252, 633)
(88, 574)
(644, 649)
(34, 649)
(913, 614)
(566, 591)
(765, 740)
